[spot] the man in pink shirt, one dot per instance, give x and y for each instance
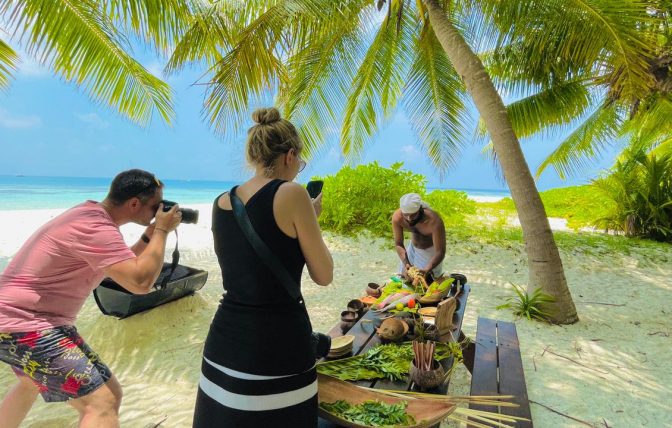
(46, 283)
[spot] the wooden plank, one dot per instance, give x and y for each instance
(511, 376)
(362, 330)
(484, 378)
(462, 306)
(335, 331)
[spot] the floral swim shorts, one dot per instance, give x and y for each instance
(58, 361)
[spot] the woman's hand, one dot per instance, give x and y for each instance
(317, 204)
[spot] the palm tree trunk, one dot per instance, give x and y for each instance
(545, 265)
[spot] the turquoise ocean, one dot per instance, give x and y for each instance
(29, 193)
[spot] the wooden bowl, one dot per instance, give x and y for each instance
(357, 306)
(373, 289)
(427, 379)
(341, 342)
(393, 329)
(434, 298)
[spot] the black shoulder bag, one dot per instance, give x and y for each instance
(321, 342)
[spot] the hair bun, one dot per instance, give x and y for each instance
(264, 116)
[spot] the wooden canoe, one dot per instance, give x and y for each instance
(426, 412)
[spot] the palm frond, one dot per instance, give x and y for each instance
(82, 45)
(8, 62)
(557, 105)
(161, 22)
(433, 102)
(204, 41)
(378, 83)
(251, 67)
(320, 70)
(599, 130)
(610, 39)
(664, 148)
(652, 124)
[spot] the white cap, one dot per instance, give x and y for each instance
(411, 202)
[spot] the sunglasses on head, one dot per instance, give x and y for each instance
(155, 182)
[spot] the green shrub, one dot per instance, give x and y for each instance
(640, 188)
(365, 197)
(579, 205)
(528, 306)
(453, 205)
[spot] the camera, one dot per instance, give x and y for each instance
(188, 215)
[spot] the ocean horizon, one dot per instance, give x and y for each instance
(21, 192)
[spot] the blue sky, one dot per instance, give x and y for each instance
(51, 128)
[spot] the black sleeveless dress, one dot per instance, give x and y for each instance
(258, 366)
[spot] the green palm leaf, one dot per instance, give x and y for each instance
(81, 44)
(433, 102)
(664, 148)
(378, 83)
(599, 130)
(161, 22)
(321, 71)
(652, 123)
(610, 39)
(204, 40)
(557, 105)
(253, 67)
(8, 62)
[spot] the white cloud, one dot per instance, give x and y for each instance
(156, 69)
(94, 120)
(31, 68)
(410, 151)
(7, 120)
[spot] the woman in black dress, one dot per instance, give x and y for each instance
(258, 366)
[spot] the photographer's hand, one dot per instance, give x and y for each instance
(169, 220)
(317, 204)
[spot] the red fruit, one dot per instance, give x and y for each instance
(411, 303)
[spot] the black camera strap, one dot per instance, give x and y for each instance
(173, 265)
(265, 254)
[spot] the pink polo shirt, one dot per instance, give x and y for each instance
(48, 280)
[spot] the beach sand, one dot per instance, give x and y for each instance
(610, 369)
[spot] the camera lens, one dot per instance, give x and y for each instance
(189, 216)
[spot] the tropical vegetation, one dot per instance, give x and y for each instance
(364, 198)
(640, 189)
(87, 43)
(598, 70)
(530, 306)
(608, 82)
(349, 65)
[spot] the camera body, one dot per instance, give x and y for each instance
(189, 216)
(321, 344)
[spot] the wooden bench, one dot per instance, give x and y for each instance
(498, 368)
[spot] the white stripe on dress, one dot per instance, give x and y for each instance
(246, 376)
(253, 403)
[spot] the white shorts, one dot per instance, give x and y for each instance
(419, 258)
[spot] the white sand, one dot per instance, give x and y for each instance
(610, 369)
